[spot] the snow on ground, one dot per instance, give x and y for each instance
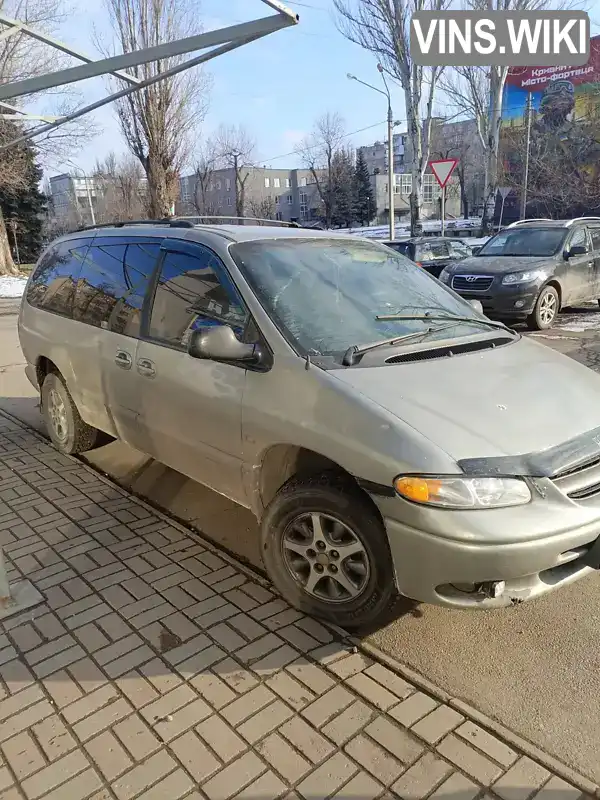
(11, 286)
(578, 321)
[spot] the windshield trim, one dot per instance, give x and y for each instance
(481, 253)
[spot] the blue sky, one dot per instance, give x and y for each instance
(275, 87)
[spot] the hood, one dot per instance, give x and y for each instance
(519, 398)
(498, 264)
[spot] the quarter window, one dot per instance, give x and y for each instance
(193, 292)
(595, 235)
(52, 286)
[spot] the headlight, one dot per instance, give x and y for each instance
(456, 492)
(445, 275)
(522, 277)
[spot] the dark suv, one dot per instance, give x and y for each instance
(433, 253)
(532, 269)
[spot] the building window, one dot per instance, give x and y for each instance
(276, 183)
(229, 201)
(228, 184)
(267, 183)
(211, 187)
(406, 183)
(219, 186)
(302, 181)
(287, 183)
(279, 215)
(277, 199)
(290, 199)
(303, 198)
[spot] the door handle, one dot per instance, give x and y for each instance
(146, 367)
(123, 359)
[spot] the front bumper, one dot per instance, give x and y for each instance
(508, 301)
(441, 572)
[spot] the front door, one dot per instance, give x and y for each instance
(191, 409)
(594, 234)
(579, 274)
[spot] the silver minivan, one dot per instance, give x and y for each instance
(388, 436)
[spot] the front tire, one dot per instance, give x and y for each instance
(68, 432)
(545, 310)
(326, 551)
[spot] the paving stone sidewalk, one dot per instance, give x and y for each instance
(157, 669)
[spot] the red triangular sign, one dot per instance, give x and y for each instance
(443, 169)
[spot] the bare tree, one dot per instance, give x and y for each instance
(383, 28)
(157, 120)
(478, 91)
(317, 152)
(23, 57)
(207, 161)
(235, 147)
(263, 208)
(121, 187)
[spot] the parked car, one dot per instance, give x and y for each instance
(388, 436)
(433, 253)
(532, 269)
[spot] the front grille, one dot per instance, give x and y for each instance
(471, 283)
(581, 482)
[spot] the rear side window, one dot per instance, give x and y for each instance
(595, 236)
(113, 281)
(194, 291)
(432, 251)
(52, 286)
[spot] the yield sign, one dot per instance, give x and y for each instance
(443, 169)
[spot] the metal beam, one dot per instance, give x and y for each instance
(20, 27)
(245, 31)
(193, 62)
(30, 117)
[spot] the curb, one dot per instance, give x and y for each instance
(512, 739)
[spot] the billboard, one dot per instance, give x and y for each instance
(565, 134)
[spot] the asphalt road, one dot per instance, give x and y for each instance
(535, 668)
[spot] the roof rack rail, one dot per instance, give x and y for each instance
(523, 221)
(581, 219)
(191, 222)
(240, 220)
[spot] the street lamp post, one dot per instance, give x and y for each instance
(390, 138)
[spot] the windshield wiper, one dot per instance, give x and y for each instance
(349, 356)
(445, 317)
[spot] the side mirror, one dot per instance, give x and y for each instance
(476, 249)
(221, 344)
(577, 250)
(476, 304)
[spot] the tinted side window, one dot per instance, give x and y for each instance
(101, 283)
(52, 286)
(194, 292)
(595, 236)
(139, 263)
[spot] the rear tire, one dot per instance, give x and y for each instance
(545, 310)
(68, 432)
(326, 551)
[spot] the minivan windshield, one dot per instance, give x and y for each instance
(524, 242)
(326, 294)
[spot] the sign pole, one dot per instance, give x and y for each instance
(443, 207)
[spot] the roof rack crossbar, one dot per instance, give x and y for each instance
(188, 222)
(240, 219)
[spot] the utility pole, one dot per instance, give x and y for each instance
(526, 168)
(391, 187)
(235, 180)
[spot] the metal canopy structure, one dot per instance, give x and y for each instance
(214, 43)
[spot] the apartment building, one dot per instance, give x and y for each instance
(289, 195)
(71, 197)
(376, 155)
(402, 188)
